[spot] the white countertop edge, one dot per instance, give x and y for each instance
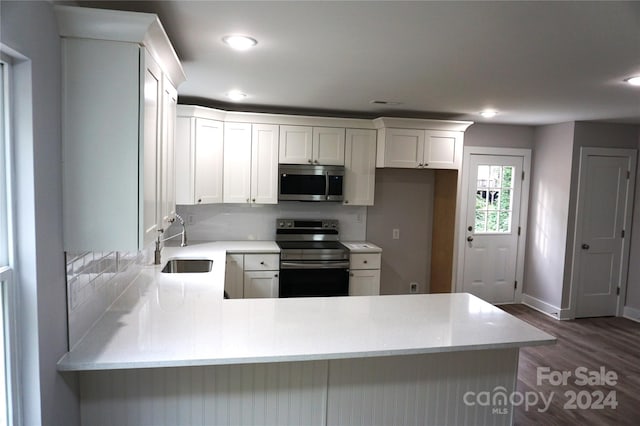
(62, 365)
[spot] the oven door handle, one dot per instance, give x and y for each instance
(314, 265)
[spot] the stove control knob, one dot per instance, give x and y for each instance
(333, 225)
(281, 224)
(289, 224)
(325, 225)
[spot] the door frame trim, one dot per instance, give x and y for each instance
(631, 154)
(463, 188)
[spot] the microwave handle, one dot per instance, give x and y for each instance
(326, 185)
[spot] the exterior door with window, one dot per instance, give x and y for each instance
(492, 227)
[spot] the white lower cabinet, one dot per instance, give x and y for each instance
(364, 277)
(254, 275)
(260, 284)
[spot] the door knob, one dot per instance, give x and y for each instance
(585, 246)
(469, 238)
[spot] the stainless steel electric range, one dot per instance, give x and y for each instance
(312, 260)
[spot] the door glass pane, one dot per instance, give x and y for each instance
(494, 198)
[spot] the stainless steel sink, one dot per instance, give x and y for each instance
(178, 266)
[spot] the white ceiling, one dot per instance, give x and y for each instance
(537, 63)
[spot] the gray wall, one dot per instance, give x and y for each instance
(549, 212)
(403, 200)
(499, 135)
(633, 283)
(49, 398)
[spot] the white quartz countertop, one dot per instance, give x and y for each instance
(361, 247)
(170, 320)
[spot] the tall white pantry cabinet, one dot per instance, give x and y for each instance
(120, 75)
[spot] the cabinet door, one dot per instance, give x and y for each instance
(169, 103)
(151, 156)
(185, 160)
(264, 164)
(364, 282)
(360, 167)
(296, 145)
(443, 149)
(328, 146)
(260, 284)
(237, 163)
(404, 148)
(208, 161)
(234, 276)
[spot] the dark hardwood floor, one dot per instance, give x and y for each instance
(609, 342)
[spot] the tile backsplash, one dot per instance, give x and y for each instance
(94, 281)
(216, 222)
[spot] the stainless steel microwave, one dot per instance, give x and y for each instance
(310, 183)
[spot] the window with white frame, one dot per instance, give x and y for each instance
(5, 249)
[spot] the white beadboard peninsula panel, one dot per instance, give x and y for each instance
(419, 389)
(260, 394)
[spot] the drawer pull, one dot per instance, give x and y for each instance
(262, 263)
(365, 261)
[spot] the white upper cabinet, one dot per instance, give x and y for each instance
(416, 143)
(250, 163)
(360, 167)
(312, 145)
(151, 149)
(264, 164)
(296, 145)
(443, 149)
(404, 148)
(328, 146)
(198, 161)
(168, 186)
(237, 163)
(116, 69)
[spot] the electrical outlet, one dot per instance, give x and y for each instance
(396, 234)
(413, 287)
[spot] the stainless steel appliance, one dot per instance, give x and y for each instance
(312, 260)
(310, 183)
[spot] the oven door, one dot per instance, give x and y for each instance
(314, 278)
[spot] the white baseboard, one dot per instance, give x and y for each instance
(545, 308)
(631, 313)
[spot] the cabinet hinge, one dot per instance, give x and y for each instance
(622, 234)
(519, 231)
(515, 284)
(523, 175)
(618, 291)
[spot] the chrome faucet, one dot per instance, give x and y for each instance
(183, 241)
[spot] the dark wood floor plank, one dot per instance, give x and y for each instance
(611, 342)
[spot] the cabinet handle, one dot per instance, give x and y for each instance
(420, 165)
(346, 201)
(315, 161)
(199, 200)
(310, 161)
(262, 263)
(426, 164)
(247, 200)
(365, 261)
(276, 275)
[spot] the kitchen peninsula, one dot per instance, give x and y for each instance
(343, 360)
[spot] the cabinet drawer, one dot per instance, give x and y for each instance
(262, 262)
(365, 261)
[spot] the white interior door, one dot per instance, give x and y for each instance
(492, 227)
(603, 198)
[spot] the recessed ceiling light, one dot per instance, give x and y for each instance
(239, 42)
(489, 113)
(634, 81)
(236, 95)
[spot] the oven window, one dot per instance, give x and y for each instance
(335, 185)
(314, 282)
(291, 184)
